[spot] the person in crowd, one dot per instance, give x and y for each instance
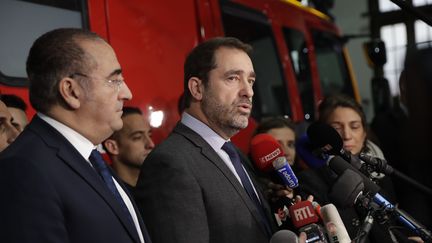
(8, 132)
(54, 184)
(283, 130)
(17, 107)
(416, 152)
(128, 147)
(196, 186)
(347, 117)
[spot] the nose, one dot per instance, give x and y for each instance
(149, 144)
(124, 92)
(246, 89)
(346, 133)
(12, 133)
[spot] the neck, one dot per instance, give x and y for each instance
(225, 132)
(129, 174)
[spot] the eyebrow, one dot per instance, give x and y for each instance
(238, 72)
(115, 72)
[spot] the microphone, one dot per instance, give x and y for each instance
(285, 172)
(284, 236)
(336, 230)
(338, 165)
(379, 165)
(327, 140)
(347, 189)
(304, 218)
(305, 149)
(264, 150)
(268, 156)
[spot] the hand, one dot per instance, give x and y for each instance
(302, 237)
(277, 191)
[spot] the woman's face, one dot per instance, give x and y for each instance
(348, 124)
(286, 138)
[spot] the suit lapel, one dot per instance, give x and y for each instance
(69, 155)
(214, 158)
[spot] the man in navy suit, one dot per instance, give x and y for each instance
(51, 189)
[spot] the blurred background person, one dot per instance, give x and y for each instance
(8, 132)
(128, 147)
(17, 108)
(416, 152)
(347, 117)
(283, 130)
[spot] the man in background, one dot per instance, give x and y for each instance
(128, 147)
(17, 107)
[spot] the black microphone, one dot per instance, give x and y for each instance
(379, 165)
(327, 140)
(339, 166)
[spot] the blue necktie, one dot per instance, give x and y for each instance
(228, 147)
(100, 166)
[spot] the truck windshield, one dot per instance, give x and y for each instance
(332, 67)
(21, 22)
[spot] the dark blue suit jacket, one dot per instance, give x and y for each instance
(50, 193)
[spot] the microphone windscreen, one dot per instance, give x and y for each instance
(303, 213)
(339, 165)
(264, 150)
(325, 137)
(284, 236)
(333, 223)
(346, 189)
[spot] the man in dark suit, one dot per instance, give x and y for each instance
(53, 183)
(195, 186)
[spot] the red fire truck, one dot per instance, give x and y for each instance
(298, 53)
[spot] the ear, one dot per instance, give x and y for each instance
(111, 146)
(196, 88)
(71, 92)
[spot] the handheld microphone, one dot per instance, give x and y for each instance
(285, 172)
(284, 236)
(333, 223)
(347, 189)
(264, 150)
(304, 219)
(327, 140)
(306, 151)
(268, 156)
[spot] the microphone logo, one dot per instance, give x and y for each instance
(303, 213)
(270, 156)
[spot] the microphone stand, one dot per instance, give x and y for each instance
(380, 165)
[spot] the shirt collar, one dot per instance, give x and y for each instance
(210, 136)
(78, 141)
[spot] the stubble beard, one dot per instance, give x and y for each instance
(224, 117)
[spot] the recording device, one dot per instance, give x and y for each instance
(304, 218)
(332, 221)
(325, 139)
(379, 165)
(268, 156)
(284, 236)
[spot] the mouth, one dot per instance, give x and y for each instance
(245, 107)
